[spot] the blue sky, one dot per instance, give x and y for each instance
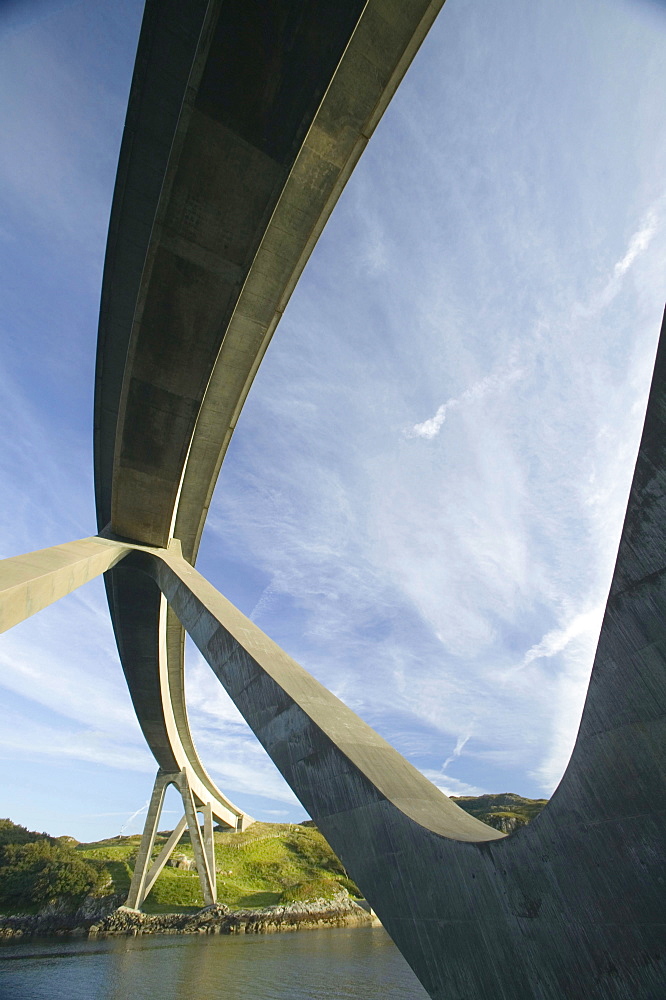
(423, 497)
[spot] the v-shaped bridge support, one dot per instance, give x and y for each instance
(146, 870)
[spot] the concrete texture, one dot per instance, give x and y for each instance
(30, 582)
(146, 871)
(571, 906)
(244, 122)
(157, 684)
(237, 145)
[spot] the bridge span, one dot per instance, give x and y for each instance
(245, 120)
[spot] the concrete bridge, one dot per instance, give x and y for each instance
(244, 122)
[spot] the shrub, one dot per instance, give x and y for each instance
(14, 833)
(40, 872)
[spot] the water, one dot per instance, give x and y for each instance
(347, 963)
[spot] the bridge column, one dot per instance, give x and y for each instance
(147, 871)
(138, 890)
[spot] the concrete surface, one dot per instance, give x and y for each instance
(571, 906)
(245, 119)
(237, 145)
(32, 581)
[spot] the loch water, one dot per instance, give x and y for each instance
(346, 963)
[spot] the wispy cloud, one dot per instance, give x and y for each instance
(26, 738)
(445, 587)
(504, 278)
(135, 815)
(451, 786)
(491, 383)
(461, 742)
(638, 244)
(557, 640)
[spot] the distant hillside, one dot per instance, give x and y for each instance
(505, 811)
(267, 864)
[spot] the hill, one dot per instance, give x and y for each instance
(505, 811)
(268, 864)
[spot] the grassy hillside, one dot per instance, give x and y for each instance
(505, 811)
(254, 868)
(272, 861)
(267, 864)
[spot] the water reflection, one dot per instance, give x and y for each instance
(342, 964)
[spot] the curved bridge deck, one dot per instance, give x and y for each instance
(245, 120)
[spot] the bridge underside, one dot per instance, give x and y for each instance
(570, 906)
(245, 120)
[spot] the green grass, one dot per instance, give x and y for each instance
(254, 868)
(306, 892)
(267, 864)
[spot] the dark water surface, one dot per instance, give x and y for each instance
(355, 963)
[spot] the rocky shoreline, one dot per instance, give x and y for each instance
(104, 917)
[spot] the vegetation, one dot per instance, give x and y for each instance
(36, 870)
(13, 833)
(267, 864)
(505, 811)
(254, 868)
(307, 892)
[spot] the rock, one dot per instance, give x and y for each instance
(104, 917)
(183, 862)
(507, 824)
(97, 907)
(58, 918)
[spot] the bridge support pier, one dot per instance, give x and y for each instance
(146, 871)
(570, 907)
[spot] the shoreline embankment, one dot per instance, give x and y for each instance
(104, 917)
